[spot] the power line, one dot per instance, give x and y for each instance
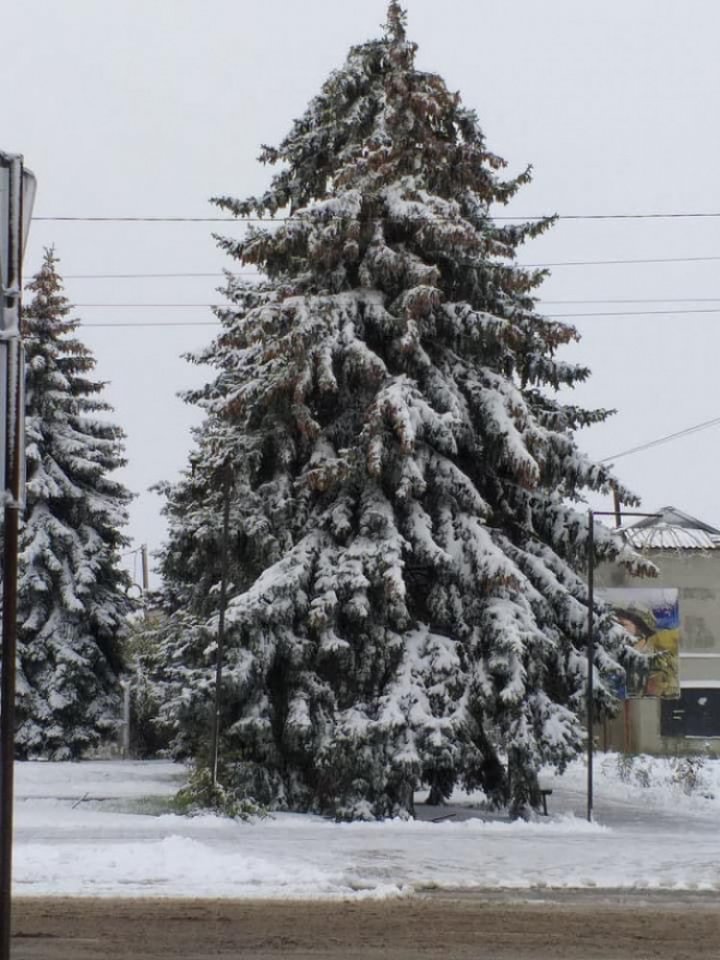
(633, 313)
(673, 215)
(608, 263)
(553, 316)
(541, 305)
(541, 302)
(154, 323)
(129, 553)
(251, 273)
(167, 219)
(201, 306)
(658, 441)
(151, 276)
(696, 428)
(212, 323)
(625, 216)
(545, 303)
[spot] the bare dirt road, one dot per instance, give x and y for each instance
(478, 925)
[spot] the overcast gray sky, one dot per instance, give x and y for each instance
(149, 107)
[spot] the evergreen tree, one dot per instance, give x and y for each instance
(72, 600)
(406, 552)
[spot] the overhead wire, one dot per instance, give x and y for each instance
(633, 313)
(158, 305)
(545, 303)
(541, 304)
(670, 215)
(209, 323)
(251, 273)
(639, 448)
(151, 276)
(619, 262)
(154, 323)
(542, 301)
(695, 428)
(667, 438)
(549, 315)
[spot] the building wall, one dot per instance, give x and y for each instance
(696, 574)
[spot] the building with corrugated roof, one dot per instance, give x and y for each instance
(671, 529)
(686, 552)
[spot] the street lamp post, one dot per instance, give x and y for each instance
(590, 658)
(17, 194)
(589, 709)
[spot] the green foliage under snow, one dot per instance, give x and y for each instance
(407, 543)
(72, 601)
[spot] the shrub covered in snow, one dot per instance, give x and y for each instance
(202, 795)
(690, 774)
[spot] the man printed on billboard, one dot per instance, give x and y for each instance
(651, 617)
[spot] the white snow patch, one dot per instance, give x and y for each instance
(77, 835)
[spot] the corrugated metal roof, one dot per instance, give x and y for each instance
(672, 529)
(666, 537)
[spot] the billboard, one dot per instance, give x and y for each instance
(651, 615)
(17, 195)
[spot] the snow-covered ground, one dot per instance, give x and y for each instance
(98, 829)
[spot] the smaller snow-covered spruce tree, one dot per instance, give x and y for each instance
(408, 599)
(72, 593)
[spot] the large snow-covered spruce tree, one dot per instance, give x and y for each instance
(406, 546)
(72, 600)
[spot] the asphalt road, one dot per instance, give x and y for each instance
(480, 925)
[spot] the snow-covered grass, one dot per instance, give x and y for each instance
(83, 830)
(691, 781)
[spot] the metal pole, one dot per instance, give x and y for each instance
(618, 514)
(126, 719)
(145, 578)
(221, 626)
(617, 506)
(590, 659)
(11, 483)
(7, 721)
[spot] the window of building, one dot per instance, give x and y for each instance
(695, 714)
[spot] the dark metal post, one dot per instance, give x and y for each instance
(590, 659)
(7, 721)
(145, 580)
(617, 506)
(618, 514)
(12, 284)
(221, 625)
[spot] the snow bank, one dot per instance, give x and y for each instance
(76, 835)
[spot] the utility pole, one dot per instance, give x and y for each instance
(617, 506)
(125, 747)
(145, 577)
(17, 192)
